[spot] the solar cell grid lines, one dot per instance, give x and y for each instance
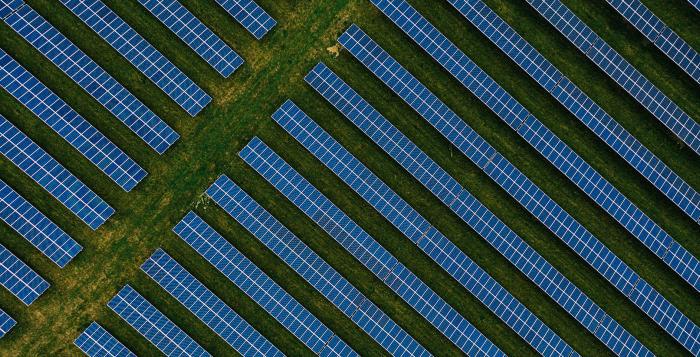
(6, 323)
(249, 14)
(95, 341)
(20, 279)
(586, 110)
(36, 228)
(621, 71)
(313, 268)
(195, 34)
(92, 78)
(8, 6)
(67, 123)
(367, 250)
(134, 48)
(153, 325)
(260, 287)
(52, 176)
(211, 310)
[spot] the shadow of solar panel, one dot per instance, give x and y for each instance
(52, 176)
(95, 341)
(153, 325)
(259, 287)
(20, 279)
(125, 40)
(313, 268)
(92, 78)
(249, 14)
(6, 323)
(36, 228)
(211, 310)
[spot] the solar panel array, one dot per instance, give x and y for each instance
(125, 40)
(92, 78)
(519, 187)
(52, 176)
(69, 124)
(587, 111)
(95, 341)
(36, 228)
(6, 323)
(617, 68)
(20, 279)
(153, 325)
(367, 250)
(249, 14)
(313, 268)
(259, 287)
(660, 35)
(211, 310)
(195, 34)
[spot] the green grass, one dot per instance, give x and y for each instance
(241, 108)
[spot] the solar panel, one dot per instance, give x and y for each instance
(6, 322)
(621, 71)
(211, 310)
(695, 4)
(249, 14)
(8, 6)
(660, 35)
(95, 341)
(67, 123)
(52, 176)
(313, 268)
(20, 279)
(586, 110)
(153, 325)
(92, 78)
(125, 40)
(367, 250)
(36, 228)
(195, 34)
(511, 179)
(259, 287)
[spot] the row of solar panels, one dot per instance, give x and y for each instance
(22, 151)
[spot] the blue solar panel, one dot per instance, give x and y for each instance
(92, 78)
(125, 40)
(313, 268)
(249, 14)
(6, 323)
(195, 34)
(660, 35)
(68, 124)
(259, 287)
(95, 341)
(20, 279)
(52, 176)
(211, 310)
(504, 173)
(695, 4)
(36, 228)
(8, 6)
(367, 250)
(615, 66)
(153, 325)
(586, 110)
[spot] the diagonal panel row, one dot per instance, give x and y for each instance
(95, 341)
(19, 279)
(249, 14)
(6, 323)
(367, 250)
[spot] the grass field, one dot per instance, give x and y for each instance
(241, 109)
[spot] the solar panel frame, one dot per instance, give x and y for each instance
(52, 176)
(95, 341)
(6, 323)
(208, 307)
(36, 228)
(140, 53)
(152, 324)
(260, 287)
(195, 34)
(92, 78)
(19, 279)
(249, 14)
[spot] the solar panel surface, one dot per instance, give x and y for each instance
(695, 4)
(125, 40)
(249, 14)
(95, 341)
(20, 279)
(259, 287)
(208, 308)
(52, 176)
(36, 228)
(6, 323)
(313, 268)
(92, 78)
(8, 6)
(367, 250)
